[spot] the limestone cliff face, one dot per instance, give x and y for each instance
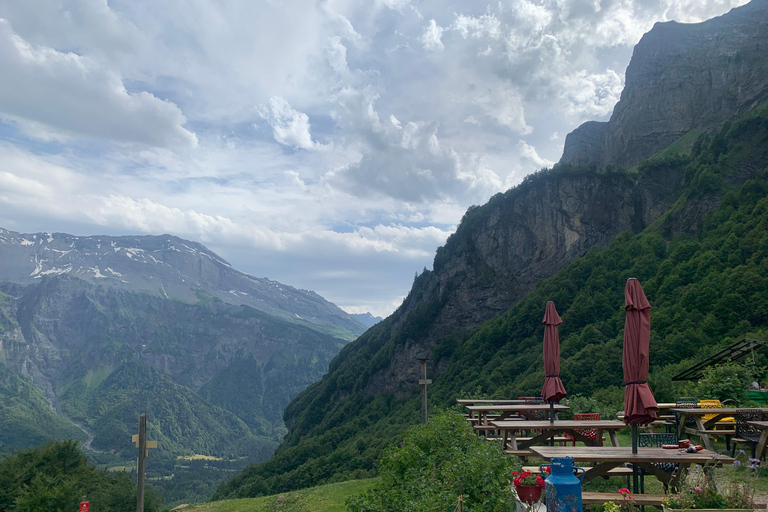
(681, 77)
(502, 249)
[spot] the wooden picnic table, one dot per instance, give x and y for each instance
(705, 428)
(606, 458)
(505, 411)
(469, 401)
(763, 426)
(550, 430)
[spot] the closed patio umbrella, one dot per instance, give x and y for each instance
(553, 390)
(640, 406)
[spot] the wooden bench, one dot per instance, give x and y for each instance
(519, 453)
(597, 498)
(620, 471)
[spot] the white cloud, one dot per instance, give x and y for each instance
(289, 127)
(68, 94)
(419, 112)
(431, 38)
(405, 161)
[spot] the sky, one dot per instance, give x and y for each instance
(331, 145)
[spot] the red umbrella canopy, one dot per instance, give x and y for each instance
(553, 390)
(639, 404)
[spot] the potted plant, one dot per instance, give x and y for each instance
(528, 486)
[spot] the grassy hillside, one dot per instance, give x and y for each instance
(324, 498)
(703, 267)
(26, 417)
(181, 421)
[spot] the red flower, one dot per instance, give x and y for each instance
(515, 473)
(547, 469)
(624, 492)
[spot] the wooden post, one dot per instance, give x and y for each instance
(140, 440)
(142, 462)
(424, 382)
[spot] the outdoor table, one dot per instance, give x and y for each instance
(763, 426)
(606, 458)
(469, 401)
(505, 411)
(703, 428)
(549, 430)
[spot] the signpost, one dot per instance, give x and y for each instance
(424, 382)
(140, 440)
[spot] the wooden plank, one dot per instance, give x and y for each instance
(620, 471)
(519, 453)
(624, 454)
(596, 498)
(560, 424)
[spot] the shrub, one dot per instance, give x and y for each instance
(434, 465)
(726, 381)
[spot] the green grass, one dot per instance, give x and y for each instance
(324, 498)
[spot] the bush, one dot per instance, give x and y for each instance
(726, 381)
(53, 478)
(434, 465)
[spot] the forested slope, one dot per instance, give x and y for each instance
(702, 264)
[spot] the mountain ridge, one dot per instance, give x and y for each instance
(167, 266)
(681, 77)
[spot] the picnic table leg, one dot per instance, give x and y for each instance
(504, 438)
(513, 440)
(612, 436)
(706, 441)
(681, 425)
(761, 444)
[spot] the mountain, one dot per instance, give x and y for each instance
(689, 222)
(681, 78)
(71, 338)
(166, 266)
(367, 319)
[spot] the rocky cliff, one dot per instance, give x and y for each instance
(682, 77)
(502, 249)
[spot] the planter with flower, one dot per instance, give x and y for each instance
(529, 486)
(708, 489)
(624, 503)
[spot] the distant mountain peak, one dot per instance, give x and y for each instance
(167, 266)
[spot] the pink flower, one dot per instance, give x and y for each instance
(697, 489)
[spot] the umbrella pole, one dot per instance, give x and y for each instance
(634, 466)
(552, 420)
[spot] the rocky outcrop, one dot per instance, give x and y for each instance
(682, 77)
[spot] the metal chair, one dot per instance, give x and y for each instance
(746, 433)
(591, 433)
(657, 440)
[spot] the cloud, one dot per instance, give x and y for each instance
(289, 127)
(417, 111)
(405, 161)
(431, 38)
(55, 93)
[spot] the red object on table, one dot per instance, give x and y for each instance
(639, 404)
(85, 506)
(553, 390)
